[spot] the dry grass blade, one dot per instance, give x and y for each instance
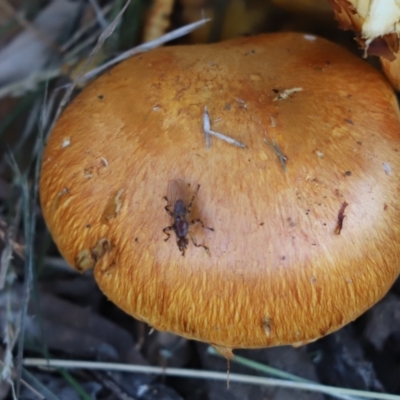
(29, 203)
(282, 158)
(76, 38)
(26, 384)
(227, 139)
(29, 83)
(146, 47)
(274, 372)
(107, 33)
(207, 132)
(28, 225)
(6, 256)
(200, 374)
(10, 247)
(206, 127)
(10, 336)
(37, 387)
(99, 15)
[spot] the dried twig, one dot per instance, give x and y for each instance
(281, 156)
(287, 93)
(207, 132)
(206, 127)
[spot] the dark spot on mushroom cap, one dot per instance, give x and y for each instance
(84, 260)
(113, 206)
(340, 218)
(323, 331)
(102, 247)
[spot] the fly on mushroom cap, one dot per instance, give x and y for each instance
(305, 217)
(179, 207)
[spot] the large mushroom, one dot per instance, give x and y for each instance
(306, 217)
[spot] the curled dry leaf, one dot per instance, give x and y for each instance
(376, 24)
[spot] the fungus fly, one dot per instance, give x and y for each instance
(179, 208)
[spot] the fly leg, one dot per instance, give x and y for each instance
(189, 207)
(167, 209)
(199, 221)
(199, 244)
(166, 230)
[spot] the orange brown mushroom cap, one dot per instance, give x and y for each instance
(306, 218)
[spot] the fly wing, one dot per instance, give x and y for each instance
(197, 244)
(177, 190)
